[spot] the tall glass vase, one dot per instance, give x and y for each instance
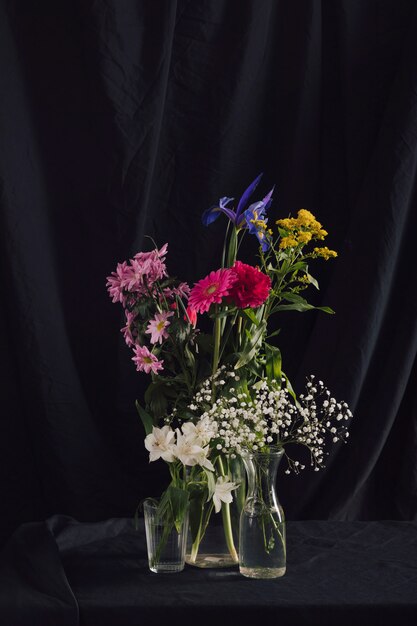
(213, 538)
(262, 545)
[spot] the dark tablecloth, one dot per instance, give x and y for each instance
(64, 573)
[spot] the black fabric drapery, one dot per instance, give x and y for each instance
(63, 573)
(121, 119)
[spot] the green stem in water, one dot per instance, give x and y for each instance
(204, 520)
(196, 544)
(227, 520)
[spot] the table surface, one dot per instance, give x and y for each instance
(64, 573)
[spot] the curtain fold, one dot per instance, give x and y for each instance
(125, 119)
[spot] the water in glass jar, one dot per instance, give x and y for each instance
(262, 545)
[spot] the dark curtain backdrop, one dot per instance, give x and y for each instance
(121, 118)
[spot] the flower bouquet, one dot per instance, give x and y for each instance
(214, 396)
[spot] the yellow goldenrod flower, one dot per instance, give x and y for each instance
(288, 223)
(305, 218)
(259, 223)
(321, 233)
(304, 237)
(288, 242)
(325, 253)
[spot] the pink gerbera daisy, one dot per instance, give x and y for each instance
(211, 289)
(157, 327)
(146, 361)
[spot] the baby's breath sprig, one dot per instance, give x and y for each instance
(263, 415)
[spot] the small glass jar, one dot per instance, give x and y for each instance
(166, 546)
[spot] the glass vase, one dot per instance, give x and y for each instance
(213, 538)
(262, 546)
(166, 546)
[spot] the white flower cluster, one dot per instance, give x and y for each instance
(188, 445)
(268, 415)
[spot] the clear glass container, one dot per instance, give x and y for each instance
(166, 546)
(213, 538)
(262, 544)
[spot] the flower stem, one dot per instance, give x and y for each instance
(227, 520)
(216, 350)
(196, 544)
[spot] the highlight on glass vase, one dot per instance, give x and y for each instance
(219, 399)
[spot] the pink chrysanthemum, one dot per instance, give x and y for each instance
(157, 327)
(182, 291)
(137, 277)
(129, 331)
(211, 290)
(116, 281)
(144, 270)
(146, 361)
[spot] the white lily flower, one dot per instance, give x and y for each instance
(204, 461)
(160, 444)
(203, 431)
(191, 433)
(223, 492)
(187, 451)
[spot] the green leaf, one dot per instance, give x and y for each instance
(274, 334)
(196, 511)
(292, 307)
(300, 265)
(225, 242)
(255, 367)
(291, 390)
(157, 395)
(250, 315)
(179, 502)
(211, 483)
(300, 306)
(147, 420)
(250, 349)
(312, 280)
(326, 309)
(173, 506)
(293, 297)
(273, 363)
(189, 356)
(232, 251)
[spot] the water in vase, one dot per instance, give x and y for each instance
(262, 545)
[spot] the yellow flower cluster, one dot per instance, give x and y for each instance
(261, 226)
(325, 253)
(301, 230)
(288, 242)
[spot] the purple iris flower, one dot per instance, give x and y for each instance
(236, 217)
(256, 212)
